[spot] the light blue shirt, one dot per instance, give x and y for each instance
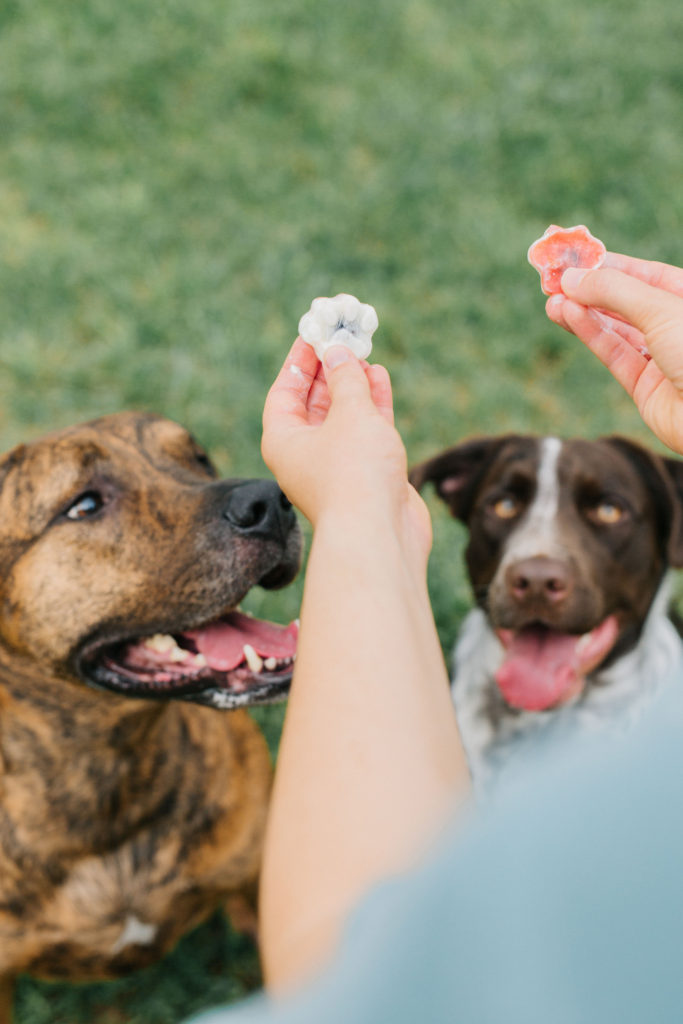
(561, 902)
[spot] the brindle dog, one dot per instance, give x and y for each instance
(124, 822)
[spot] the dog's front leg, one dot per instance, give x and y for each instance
(6, 998)
(242, 910)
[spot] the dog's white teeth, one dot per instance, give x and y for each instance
(162, 643)
(177, 654)
(165, 645)
(253, 660)
(582, 643)
(339, 320)
(270, 664)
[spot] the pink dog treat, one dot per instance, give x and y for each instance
(559, 248)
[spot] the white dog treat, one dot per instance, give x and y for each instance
(342, 320)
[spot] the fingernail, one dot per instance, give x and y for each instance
(572, 277)
(335, 356)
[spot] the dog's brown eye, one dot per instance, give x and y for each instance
(87, 505)
(205, 462)
(506, 508)
(607, 513)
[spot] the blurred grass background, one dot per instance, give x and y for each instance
(179, 180)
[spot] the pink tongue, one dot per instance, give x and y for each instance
(543, 667)
(222, 643)
(538, 670)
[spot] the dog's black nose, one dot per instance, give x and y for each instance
(258, 508)
(539, 578)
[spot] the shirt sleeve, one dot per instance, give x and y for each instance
(561, 901)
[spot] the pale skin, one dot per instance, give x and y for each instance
(370, 764)
(629, 312)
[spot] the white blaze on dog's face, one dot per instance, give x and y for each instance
(537, 532)
(568, 544)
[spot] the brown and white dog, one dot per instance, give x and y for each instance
(569, 547)
(130, 807)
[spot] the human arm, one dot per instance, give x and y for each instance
(629, 313)
(370, 761)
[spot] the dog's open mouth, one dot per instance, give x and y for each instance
(234, 661)
(544, 668)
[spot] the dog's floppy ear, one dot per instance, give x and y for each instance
(456, 472)
(664, 479)
(674, 471)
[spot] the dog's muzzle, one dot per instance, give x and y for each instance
(226, 661)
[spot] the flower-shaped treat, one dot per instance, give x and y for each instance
(560, 248)
(341, 320)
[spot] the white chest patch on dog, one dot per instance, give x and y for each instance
(135, 933)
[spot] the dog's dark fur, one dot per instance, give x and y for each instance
(124, 818)
(597, 545)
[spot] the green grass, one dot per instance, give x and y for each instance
(179, 180)
(210, 966)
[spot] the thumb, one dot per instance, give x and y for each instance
(346, 379)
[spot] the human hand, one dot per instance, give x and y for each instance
(629, 313)
(329, 438)
(370, 705)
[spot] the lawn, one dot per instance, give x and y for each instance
(179, 180)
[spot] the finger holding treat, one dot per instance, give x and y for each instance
(629, 313)
(660, 275)
(328, 428)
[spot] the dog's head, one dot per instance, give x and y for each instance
(568, 544)
(123, 559)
